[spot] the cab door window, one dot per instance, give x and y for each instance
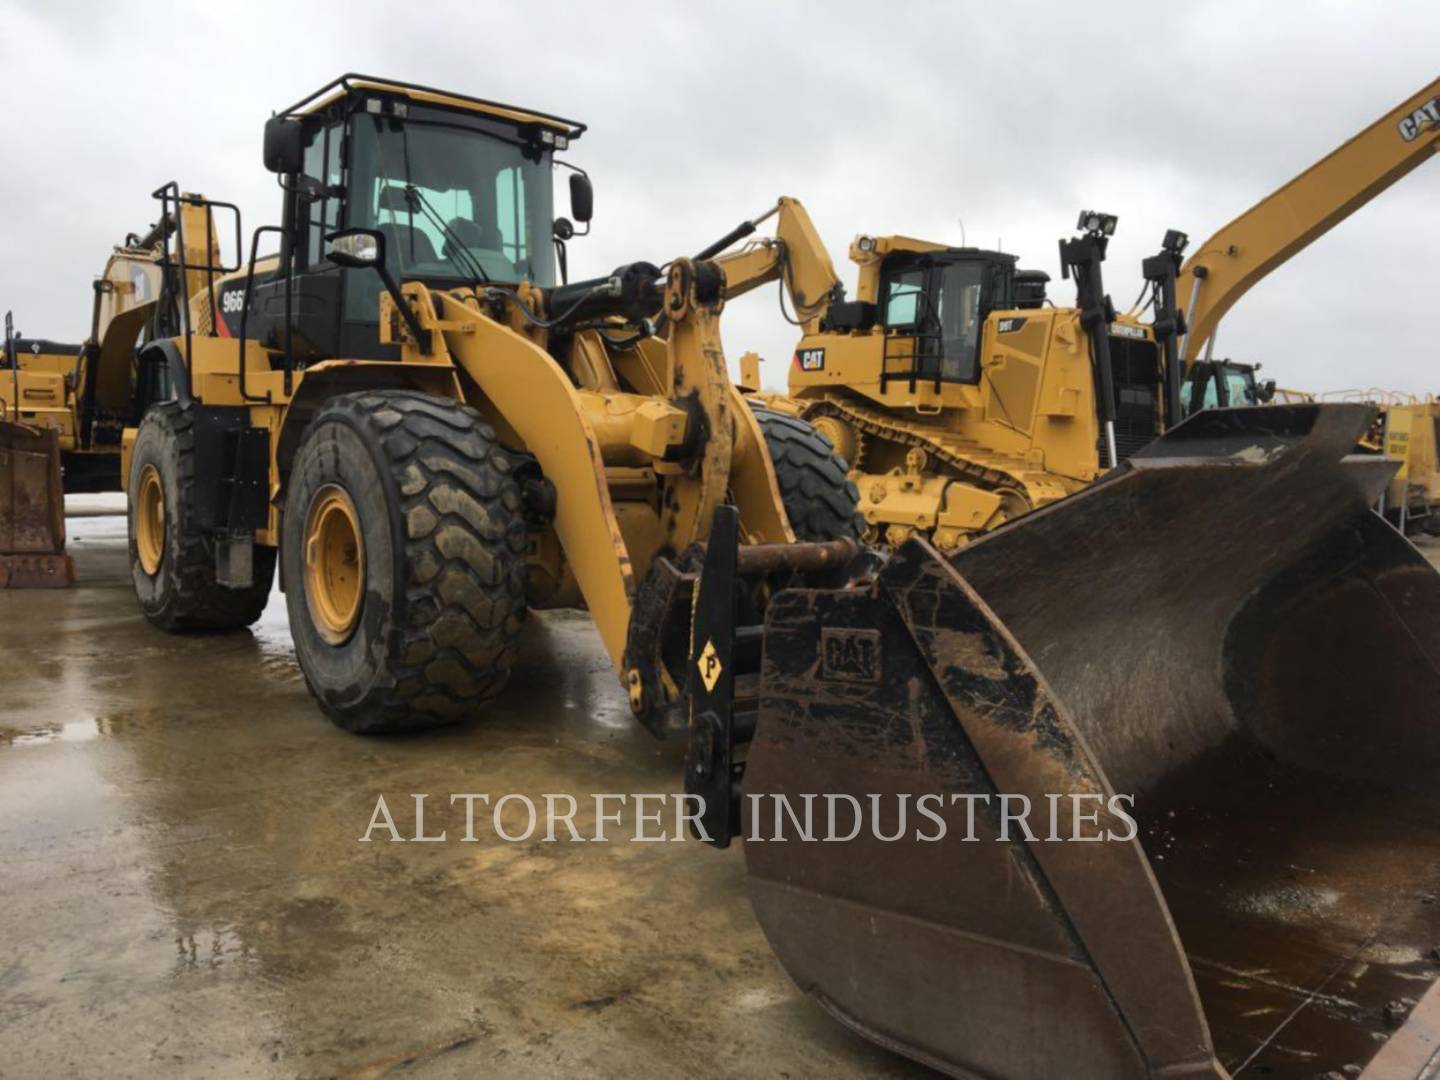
(960, 314)
(903, 298)
(319, 218)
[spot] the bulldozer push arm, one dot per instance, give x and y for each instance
(1229, 263)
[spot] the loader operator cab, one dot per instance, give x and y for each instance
(460, 192)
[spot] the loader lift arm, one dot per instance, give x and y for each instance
(1225, 266)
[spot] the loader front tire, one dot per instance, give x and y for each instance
(403, 546)
(172, 559)
(820, 499)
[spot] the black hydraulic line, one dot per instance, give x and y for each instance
(1160, 271)
(11, 359)
(744, 229)
(159, 232)
(1081, 258)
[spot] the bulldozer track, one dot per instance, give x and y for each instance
(1000, 473)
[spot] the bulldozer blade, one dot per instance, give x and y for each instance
(32, 510)
(1142, 784)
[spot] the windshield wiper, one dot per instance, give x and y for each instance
(472, 263)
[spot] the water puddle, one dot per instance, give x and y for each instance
(74, 731)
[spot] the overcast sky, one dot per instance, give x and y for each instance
(897, 117)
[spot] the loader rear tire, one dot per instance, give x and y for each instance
(404, 552)
(820, 500)
(172, 559)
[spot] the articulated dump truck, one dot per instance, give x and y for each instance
(1212, 675)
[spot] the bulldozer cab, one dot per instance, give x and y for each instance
(933, 308)
(460, 189)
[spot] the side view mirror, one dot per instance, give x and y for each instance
(1267, 391)
(284, 150)
(356, 249)
(582, 197)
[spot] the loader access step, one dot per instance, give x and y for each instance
(1223, 630)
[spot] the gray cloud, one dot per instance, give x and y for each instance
(900, 117)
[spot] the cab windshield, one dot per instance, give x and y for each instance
(453, 202)
(1239, 388)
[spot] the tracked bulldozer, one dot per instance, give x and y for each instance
(430, 434)
(958, 395)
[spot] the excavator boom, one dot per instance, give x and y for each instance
(795, 255)
(1224, 268)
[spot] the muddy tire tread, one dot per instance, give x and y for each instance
(462, 527)
(200, 602)
(820, 499)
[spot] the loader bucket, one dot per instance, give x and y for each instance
(32, 510)
(1222, 629)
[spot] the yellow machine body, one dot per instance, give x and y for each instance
(951, 433)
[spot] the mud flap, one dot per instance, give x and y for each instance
(1220, 631)
(32, 510)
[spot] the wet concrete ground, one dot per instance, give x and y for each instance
(183, 891)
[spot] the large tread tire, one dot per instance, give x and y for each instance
(820, 500)
(444, 540)
(183, 593)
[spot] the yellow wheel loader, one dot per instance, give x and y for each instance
(430, 434)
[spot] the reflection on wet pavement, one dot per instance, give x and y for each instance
(182, 887)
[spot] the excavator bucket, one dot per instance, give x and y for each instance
(1144, 784)
(32, 510)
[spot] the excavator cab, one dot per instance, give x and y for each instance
(1222, 384)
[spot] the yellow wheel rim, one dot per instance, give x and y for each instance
(334, 564)
(150, 520)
